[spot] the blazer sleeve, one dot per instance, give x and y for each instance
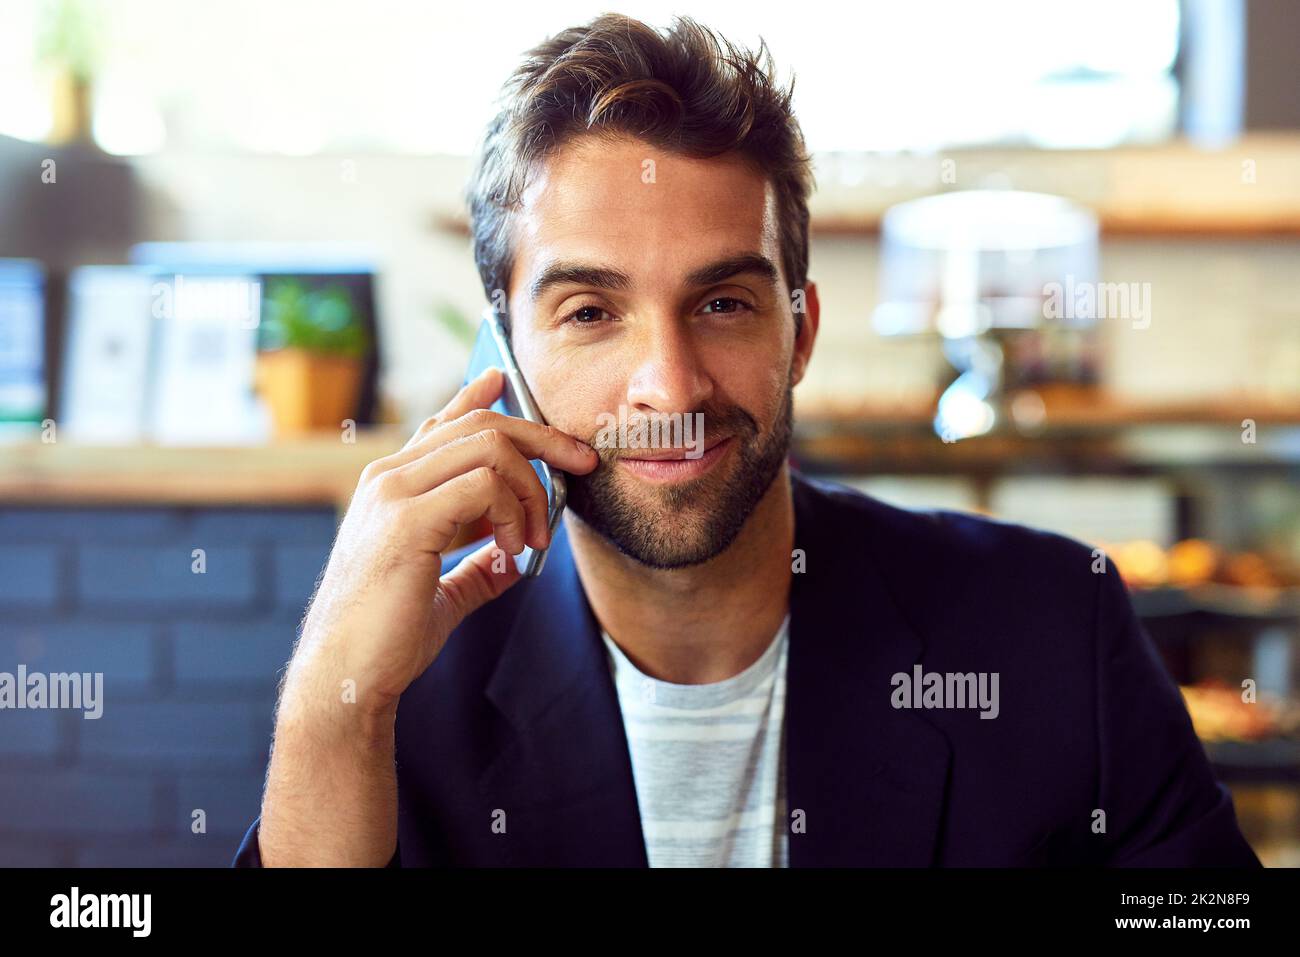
(250, 854)
(1163, 806)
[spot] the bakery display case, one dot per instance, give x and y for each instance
(1214, 576)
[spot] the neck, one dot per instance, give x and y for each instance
(700, 624)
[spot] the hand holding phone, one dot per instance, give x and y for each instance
(492, 349)
(383, 609)
(383, 600)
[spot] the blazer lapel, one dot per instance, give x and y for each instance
(564, 778)
(864, 782)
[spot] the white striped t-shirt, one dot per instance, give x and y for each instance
(708, 762)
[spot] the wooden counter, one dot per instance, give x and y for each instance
(313, 470)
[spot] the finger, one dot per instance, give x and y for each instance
(467, 498)
(534, 440)
(491, 448)
(478, 578)
(479, 393)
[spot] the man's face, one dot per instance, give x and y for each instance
(648, 284)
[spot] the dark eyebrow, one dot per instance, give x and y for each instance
(715, 273)
(580, 274)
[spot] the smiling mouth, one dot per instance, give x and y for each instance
(662, 469)
(675, 455)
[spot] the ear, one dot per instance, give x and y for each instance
(806, 322)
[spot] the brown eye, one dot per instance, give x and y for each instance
(731, 303)
(583, 316)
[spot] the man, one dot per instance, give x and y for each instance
(723, 662)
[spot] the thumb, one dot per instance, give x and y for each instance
(480, 576)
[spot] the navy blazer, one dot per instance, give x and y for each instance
(1091, 759)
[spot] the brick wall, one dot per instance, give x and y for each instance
(190, 664)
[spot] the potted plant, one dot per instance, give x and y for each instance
(68, 45)
(312, 350)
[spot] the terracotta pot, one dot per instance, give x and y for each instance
(71, 108)
(307, 392)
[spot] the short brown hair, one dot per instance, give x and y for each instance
(688, 90)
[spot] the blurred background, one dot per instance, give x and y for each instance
(1058, 251)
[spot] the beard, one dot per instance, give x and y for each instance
(688, 522)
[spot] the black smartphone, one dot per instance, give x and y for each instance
(492, 348)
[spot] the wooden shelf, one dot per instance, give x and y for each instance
(1281, 603)
(1117, 223)
(313, 470)
(1274, 760)
(1161, 223)
(1064, 407)
(1167, 190)
(1085, 432)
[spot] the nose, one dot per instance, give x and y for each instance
(667, 370)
